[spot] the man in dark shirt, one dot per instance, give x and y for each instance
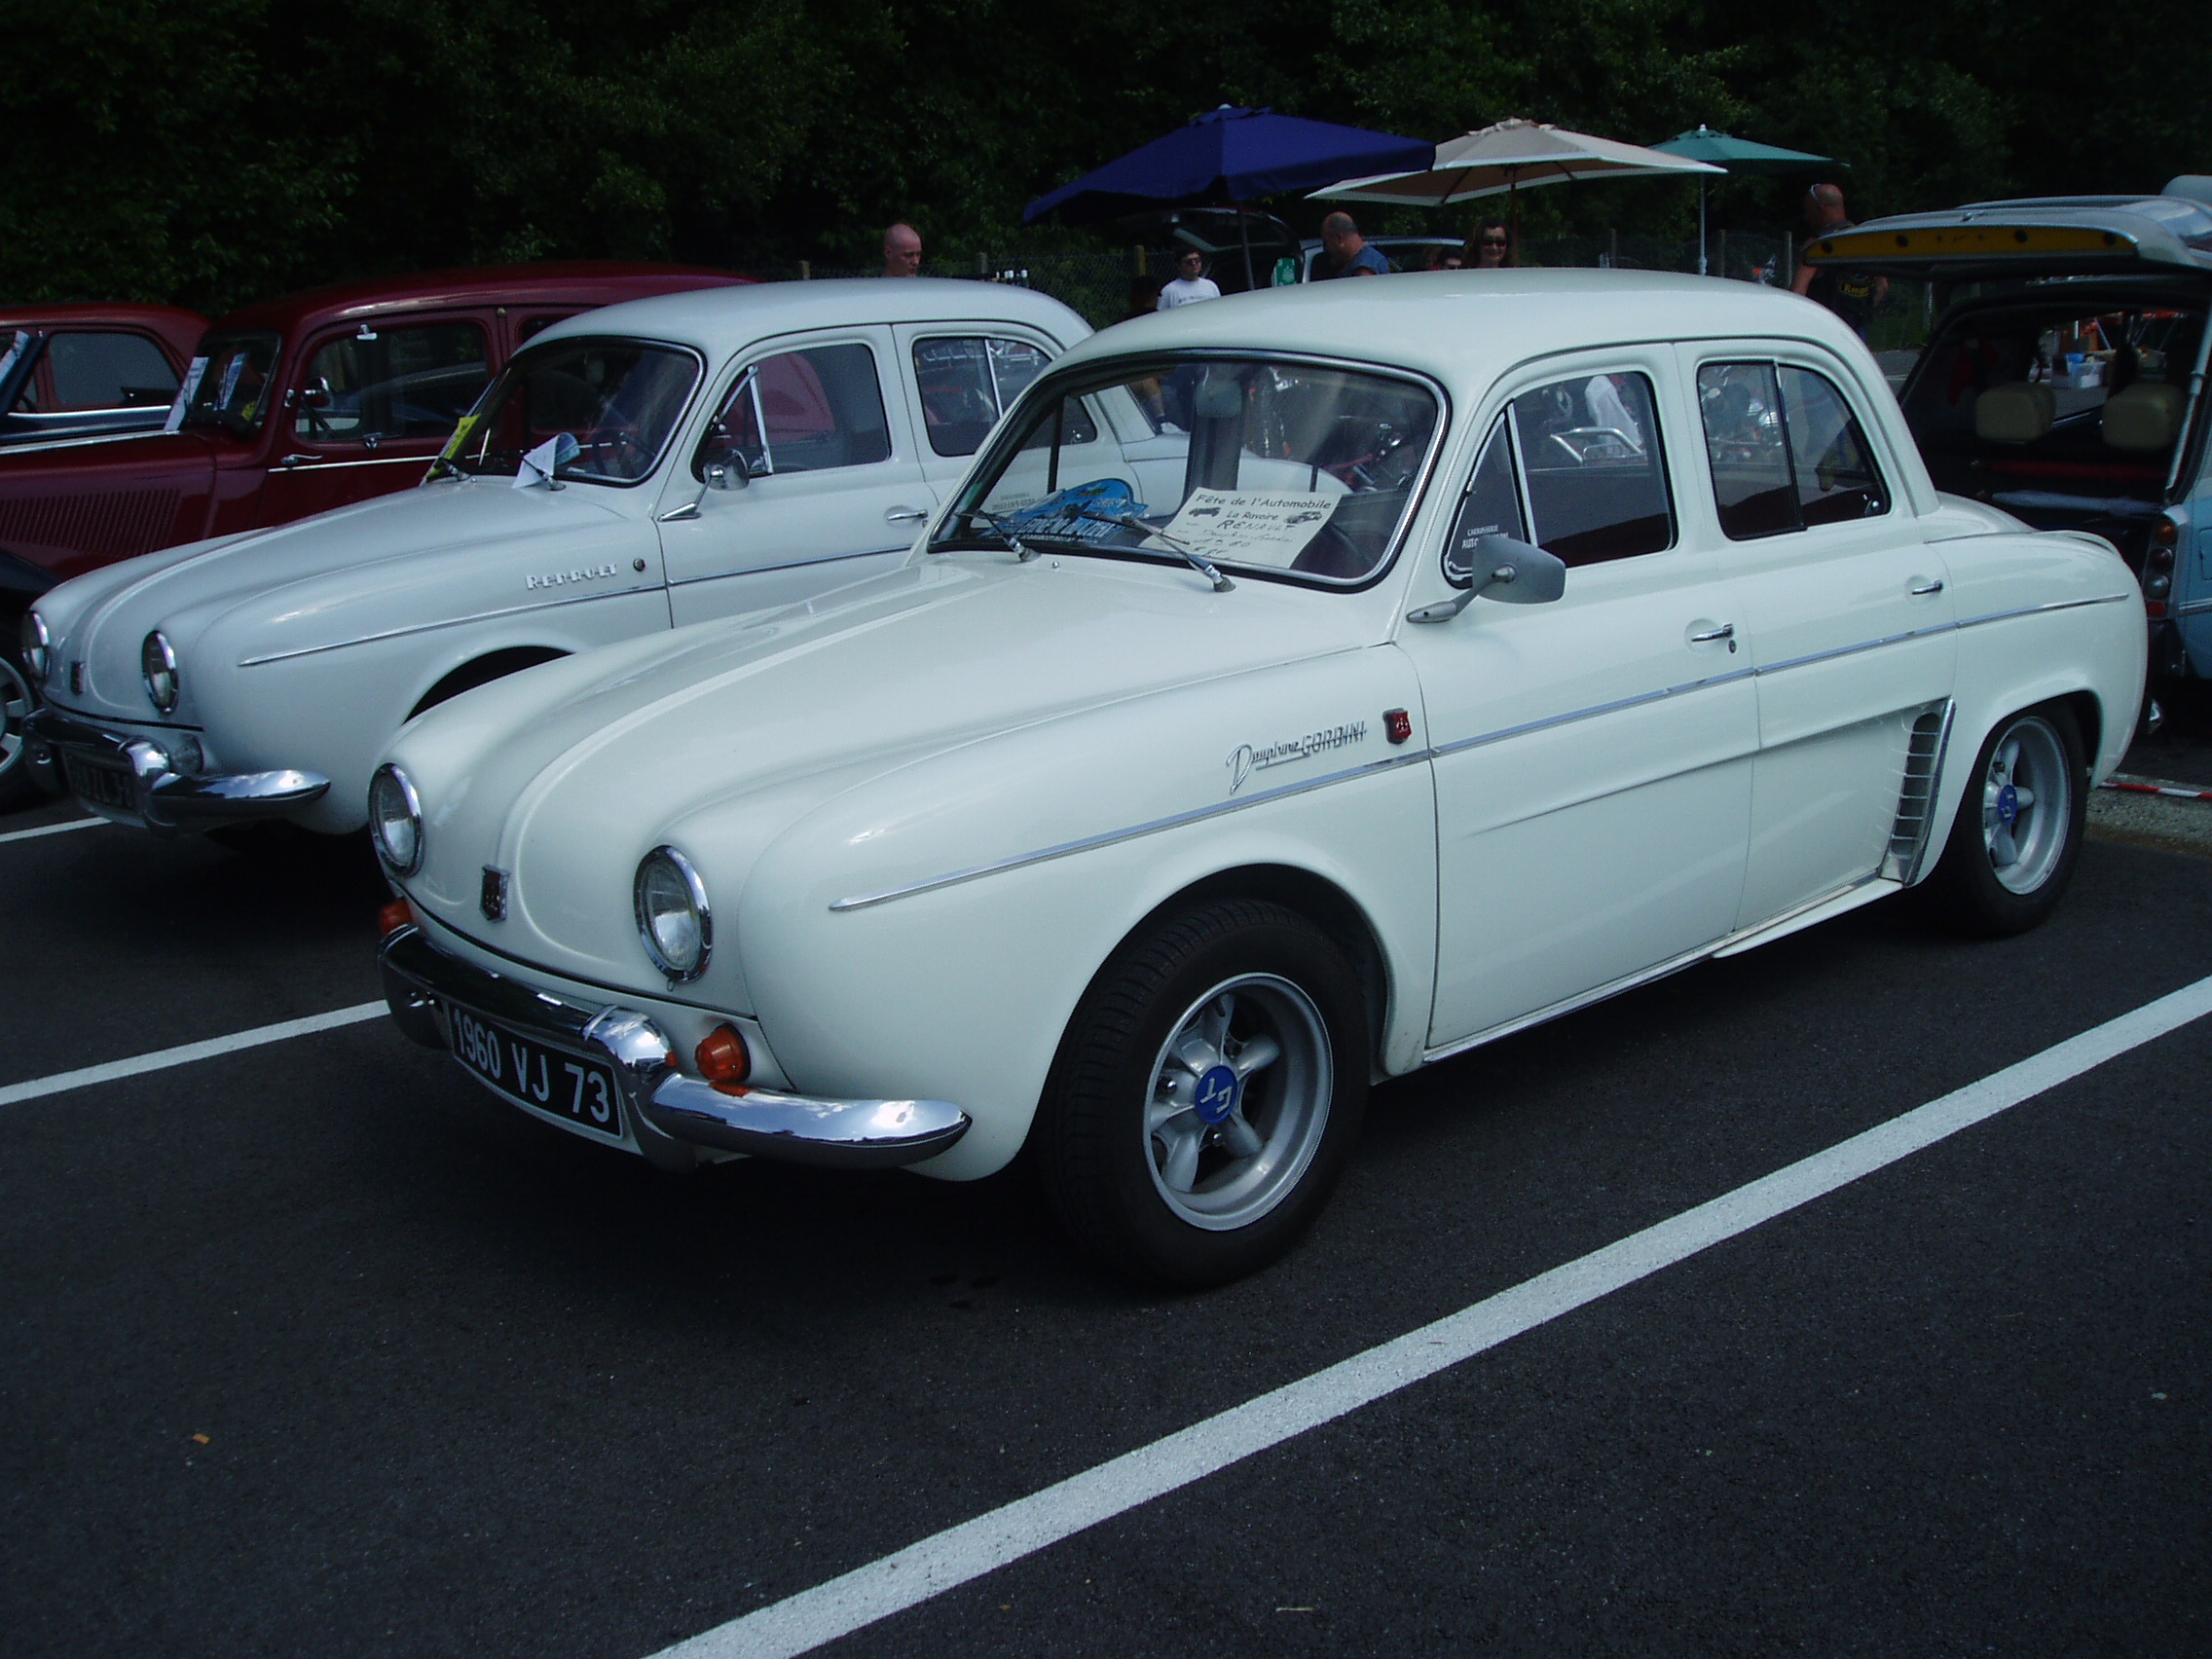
(1852, 295)
(1345, 251)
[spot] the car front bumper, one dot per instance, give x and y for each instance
(668, 1115)
(132, 779)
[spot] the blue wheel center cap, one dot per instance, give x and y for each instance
(1217, 1093)
(2007, 805)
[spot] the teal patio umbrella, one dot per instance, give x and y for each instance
(1737, 156)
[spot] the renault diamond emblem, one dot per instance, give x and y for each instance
(495, 900)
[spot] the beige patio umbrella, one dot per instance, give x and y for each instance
(1507, 158)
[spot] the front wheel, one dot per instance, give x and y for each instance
(2019, 831)
(1206, 1095)
(18, 782)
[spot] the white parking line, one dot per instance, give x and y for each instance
(51, 829)
(969, 1551)
(185, 1053)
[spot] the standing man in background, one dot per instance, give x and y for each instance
(1852, 295)
(1345, 251)
(901, 250)
(1191, 284)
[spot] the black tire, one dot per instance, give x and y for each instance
(1978, 889)
(1238, 1203)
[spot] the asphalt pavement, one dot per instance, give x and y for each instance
(312, 1348)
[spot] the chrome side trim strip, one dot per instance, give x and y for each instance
(1175, 821)
(2191, 608)
(449, 622)
(1596, 709)
(1853, 650)
(793, 565)
(2039, 610)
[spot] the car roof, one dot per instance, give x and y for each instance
(1470, 325)
(718, 321)
(583, 281)
(2043, 236)
(177, 327)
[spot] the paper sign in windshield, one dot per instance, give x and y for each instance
(191, 383)
(1249, 526)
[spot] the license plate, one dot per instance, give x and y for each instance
(529, 1073)
(100, 786)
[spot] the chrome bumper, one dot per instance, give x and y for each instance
(669, 1114)
(161, 799)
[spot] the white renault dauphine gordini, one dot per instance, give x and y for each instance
(714, 451)
(1302, 688)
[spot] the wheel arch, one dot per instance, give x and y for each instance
(1316, 898)
(483, 670)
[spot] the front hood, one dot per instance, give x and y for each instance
(726, 732)
(309, 584)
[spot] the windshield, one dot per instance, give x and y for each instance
(1282, 468)
(617, 400)
(233, 390)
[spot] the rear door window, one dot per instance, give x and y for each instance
(108, 370)
(1785, 451)
(966, 383)
(384, 382)
(1591, 463)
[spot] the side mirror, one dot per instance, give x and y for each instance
(726, 475)
(312, 397)
(1503, 568)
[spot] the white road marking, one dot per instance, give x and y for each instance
(974, 1548)
(51, 829)
(185, 1053)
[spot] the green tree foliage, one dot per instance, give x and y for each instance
(216, 152)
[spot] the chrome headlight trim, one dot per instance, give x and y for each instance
(408, 859)
(35, 642)
(157, 662)
(695, 892)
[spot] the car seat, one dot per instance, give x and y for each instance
(2015, 413)
(2146, 416)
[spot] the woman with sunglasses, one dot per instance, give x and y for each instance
(1490, 246)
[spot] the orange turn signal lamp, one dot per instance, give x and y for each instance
(393, 917)
(723, 1059)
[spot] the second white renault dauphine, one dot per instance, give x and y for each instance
(1302, 688)
(639, 466)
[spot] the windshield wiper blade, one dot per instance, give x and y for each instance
(1198, 561)
(448, 465)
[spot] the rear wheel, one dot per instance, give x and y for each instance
(18, 786)
(2018, 832)
(1206, 1095)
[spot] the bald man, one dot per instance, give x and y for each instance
(901, 250)
(1852, 295)
(1345, 251)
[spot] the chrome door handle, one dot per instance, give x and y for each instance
(1714, 636)
(1922, 590)
(904, 515)
(298, 460)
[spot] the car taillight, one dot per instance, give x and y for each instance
(2166, 537)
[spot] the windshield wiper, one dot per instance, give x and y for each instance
(448, 465)
(1011, 536)
(1198, 561)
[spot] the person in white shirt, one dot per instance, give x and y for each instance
(1191, 284)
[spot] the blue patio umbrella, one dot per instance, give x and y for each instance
(1737, 156)
(1229, 156)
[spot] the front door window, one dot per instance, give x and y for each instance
(385, 384)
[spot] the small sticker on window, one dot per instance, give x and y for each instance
(194, 373)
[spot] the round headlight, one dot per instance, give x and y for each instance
(672, 914)
(395, 819)
(159, 665)
(34, 642)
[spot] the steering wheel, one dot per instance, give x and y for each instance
(622, 446)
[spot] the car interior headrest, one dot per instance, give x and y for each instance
(2017, 412)
(2145, 416)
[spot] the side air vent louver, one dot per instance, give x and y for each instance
(121, 523)
(1916, 797)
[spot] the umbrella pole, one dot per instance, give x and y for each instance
(1700, 270)
(1244, 236)
(1513, 212)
